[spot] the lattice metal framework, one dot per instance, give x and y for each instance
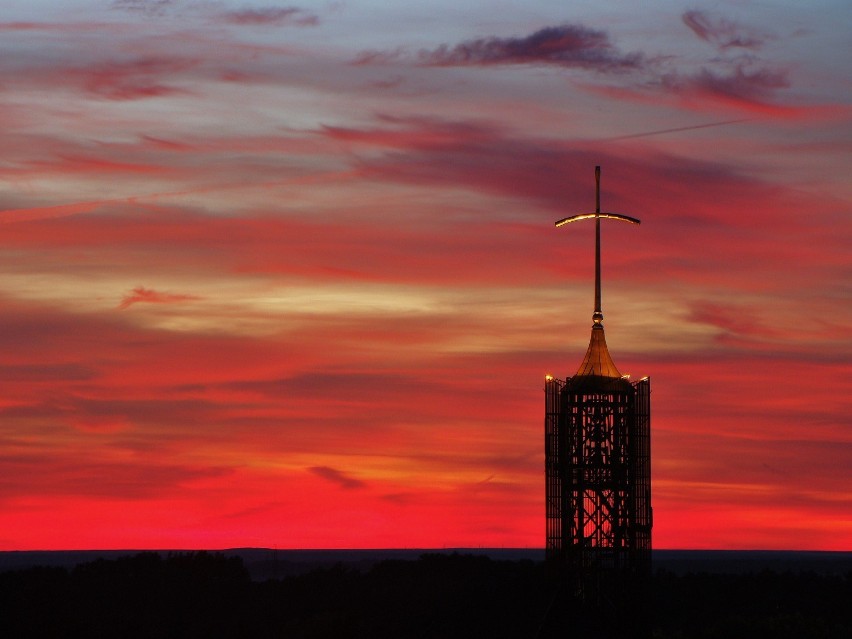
(598, 474)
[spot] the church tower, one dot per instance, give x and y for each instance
(598, 465)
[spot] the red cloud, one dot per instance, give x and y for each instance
(134, 79)
(126, 416)
(67, 164)
(435, 248)
(741, 83)
(142, 294)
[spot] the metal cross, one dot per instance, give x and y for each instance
(597, 318)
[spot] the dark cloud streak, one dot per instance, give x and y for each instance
(335, 476)
(568, 45)
(722, 33)
(146, 7)
(269, 16)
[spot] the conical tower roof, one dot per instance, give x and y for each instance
(598, 372)
(597, 362)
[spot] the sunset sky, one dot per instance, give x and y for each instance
(287, 275)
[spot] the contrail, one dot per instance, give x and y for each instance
(683, 128)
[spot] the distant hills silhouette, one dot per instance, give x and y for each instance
(268, 563)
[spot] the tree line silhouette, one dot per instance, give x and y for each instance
(210, 595)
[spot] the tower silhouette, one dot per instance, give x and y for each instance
(598, 469)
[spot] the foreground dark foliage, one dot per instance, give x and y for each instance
(440, 596)
(764, 605)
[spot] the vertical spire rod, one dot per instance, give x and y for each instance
(597, 317)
